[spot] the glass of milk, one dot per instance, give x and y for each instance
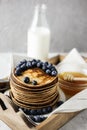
(39, 35)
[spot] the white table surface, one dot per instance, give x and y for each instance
(79, 122)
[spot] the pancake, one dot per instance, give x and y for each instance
(34, 96)
(37, 74)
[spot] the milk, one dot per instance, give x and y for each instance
(38, 43)
(38, 40)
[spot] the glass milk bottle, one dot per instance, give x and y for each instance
(39, 35)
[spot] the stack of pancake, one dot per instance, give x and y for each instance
(29, 96)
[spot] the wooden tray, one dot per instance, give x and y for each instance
(54, 122)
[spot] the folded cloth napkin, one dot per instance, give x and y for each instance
(74, 104)
(73, 62)
(74, 57)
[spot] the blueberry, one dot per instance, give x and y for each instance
(44, 110)
(19, 68)
(49, 66)
(26, 111)
(33, 112)
(49, 109)
(33, 118)
(34, 60)
(33, 63)
(54, 73)
(34, 82)
(43, 64)
(53, 68)
(29, 64)
(48, 71)
(59, 103)
(26, 80)
(23, 67)
(39, 64)
(39, 111)
(18, 71)
(38, 119)
(23, 61)
(46, 63)
(44, 67)
(23, 109)
(18, 65)
(38, 61)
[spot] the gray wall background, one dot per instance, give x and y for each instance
(67, 20)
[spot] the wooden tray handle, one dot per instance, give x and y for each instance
(15, 120)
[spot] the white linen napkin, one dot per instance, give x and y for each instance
(73, 62)
(74, 57)
(74, 104)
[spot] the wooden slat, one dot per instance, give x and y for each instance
(56, 121)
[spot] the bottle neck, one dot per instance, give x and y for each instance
(39, 19)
